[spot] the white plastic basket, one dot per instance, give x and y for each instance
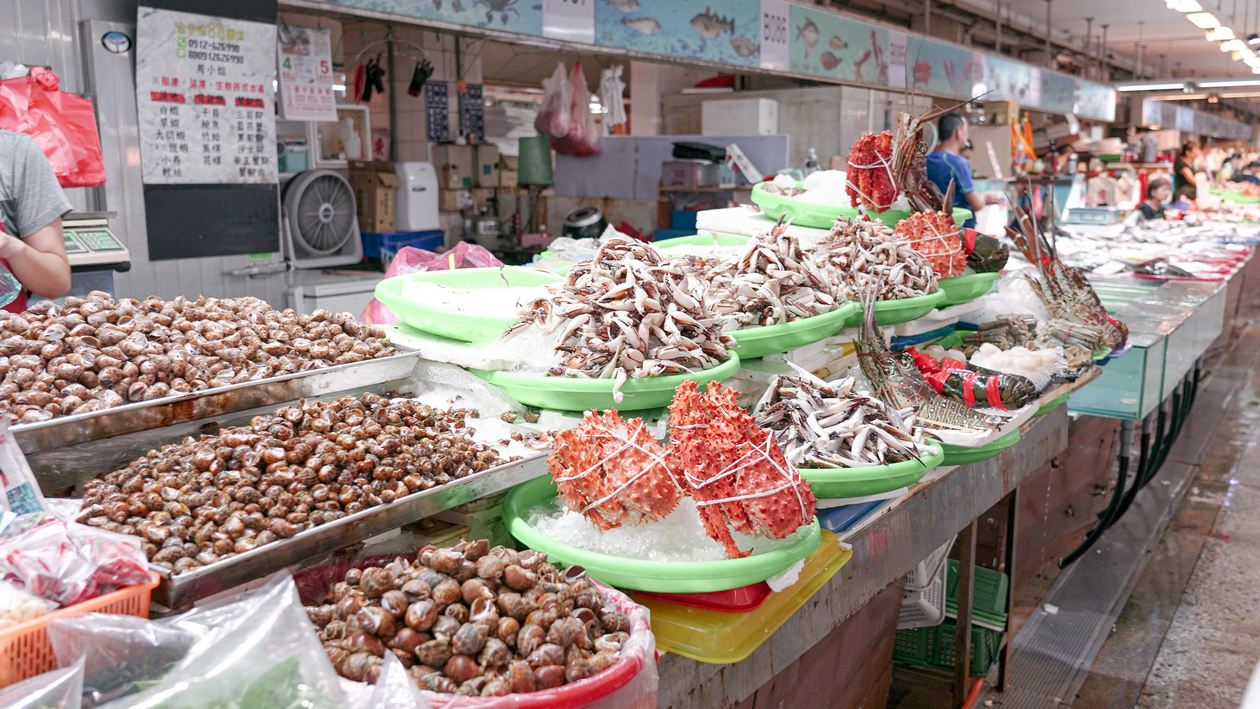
(926, 571)
(923, 602)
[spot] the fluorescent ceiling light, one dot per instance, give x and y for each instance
(1149, 87)
(1220, 34)
(1184, 5)
(1204, 20)
(1233, 45)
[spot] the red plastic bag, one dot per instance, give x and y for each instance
(412, 260)
(62, 124)
(555, 118)
(582, 138)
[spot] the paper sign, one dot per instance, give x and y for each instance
(898, 47)
(204, 99)
(437, 112)
(775, 39)
(304, 58)
(570, 20)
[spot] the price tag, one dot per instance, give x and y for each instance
(570, 20)
(775, 39)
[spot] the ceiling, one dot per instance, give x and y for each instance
(1162, 31)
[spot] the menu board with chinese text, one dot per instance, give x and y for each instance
(204, 99)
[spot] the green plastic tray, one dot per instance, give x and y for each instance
(964, 289)
(703, 240)
(654, 576)
(573, 394)
(891, 217)
(1235, 197)
(1054, 404)
(891, 312)
(453, 323)
(817, 216)
(934, 647)
(834, 483)
(760, 341)
(962, 456)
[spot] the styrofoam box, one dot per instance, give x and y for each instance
(746, 116)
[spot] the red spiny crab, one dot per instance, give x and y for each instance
(938, 238)
(734, 470)
(613, 471)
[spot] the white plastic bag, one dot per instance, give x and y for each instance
(21, 492)
(258, 650)
(58, 689)
(582, 138)
(555, 118)
(117, 651)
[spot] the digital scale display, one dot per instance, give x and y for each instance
(1092, 216)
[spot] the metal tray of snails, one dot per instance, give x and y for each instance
(179, 590)
(192, 406)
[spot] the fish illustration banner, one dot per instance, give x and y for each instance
(939, 68)
(522, 16)
(828, 45)
(725, 31)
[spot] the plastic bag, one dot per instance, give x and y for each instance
(18, 606)
(58, 689)
(413, 260)
(555, 118)
(62, 124)
(117, 651)
(582, 138)
(17, 482)
(257, 650)
(66, 562)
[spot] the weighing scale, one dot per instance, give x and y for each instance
(94, 252)
(1093, 221)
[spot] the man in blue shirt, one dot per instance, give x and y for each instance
(945, 164)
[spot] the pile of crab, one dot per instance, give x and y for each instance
(614, 472)
(859, 255)
(627, 314)
(772, 281)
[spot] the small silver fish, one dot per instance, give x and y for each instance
(624, 5)
(744, 47)
(709, 25)
(809, 33)
(643, 25)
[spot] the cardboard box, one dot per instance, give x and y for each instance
(689, 173)
(992, 143)
(1002, 113)
(456, 200)
(375, 194)
(456, 166)
(510, 162)
(509, 178)
(487, 166)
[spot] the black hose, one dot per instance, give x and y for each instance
(1126, 442)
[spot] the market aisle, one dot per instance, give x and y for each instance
(1213, 642)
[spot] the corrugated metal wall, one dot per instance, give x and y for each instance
(47, 32)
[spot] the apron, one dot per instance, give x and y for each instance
(13, 295)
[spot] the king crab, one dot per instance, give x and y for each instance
(613, 471)
(734, 469)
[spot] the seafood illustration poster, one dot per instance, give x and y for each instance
(828, 45)
(725, 31)
(938, 68)
(1015, 81)
(1097, 101)
(523, 16)
(1058, 92)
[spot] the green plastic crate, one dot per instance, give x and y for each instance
(934, 647)
(988, 596)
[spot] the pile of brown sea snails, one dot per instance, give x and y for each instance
(203, 500)
(94, 353)
(471, 620)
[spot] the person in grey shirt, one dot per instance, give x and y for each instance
(32, 248)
